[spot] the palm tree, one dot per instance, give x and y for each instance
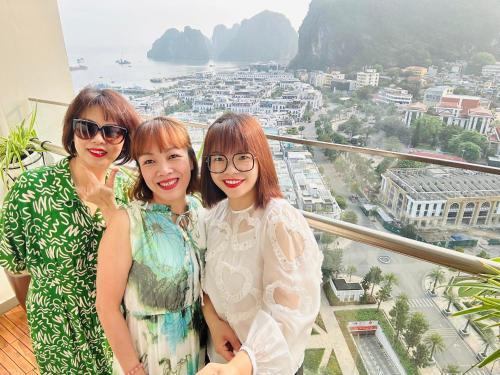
(438, 276)
(452, 298)
(350, 270)
(435, 342)
(390, 278)
(452, 370)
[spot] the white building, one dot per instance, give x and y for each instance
(437, 197)
(414, 111)
(369, 77)
(347, 292)
(491, 70)
(433, 95)
(389, 95)
(466, 112)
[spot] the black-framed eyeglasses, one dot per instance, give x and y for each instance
(218, 163)
(86, 129)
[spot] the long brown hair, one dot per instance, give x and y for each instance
(114, 107)
(232, 133)
(165, 132)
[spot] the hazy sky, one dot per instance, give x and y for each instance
(118, 22)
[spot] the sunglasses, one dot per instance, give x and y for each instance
(86, 129)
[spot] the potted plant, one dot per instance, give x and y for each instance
(486, 290)
(17, 150)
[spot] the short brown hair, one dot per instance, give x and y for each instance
(165, 132)
(233, 133)
(114, 106)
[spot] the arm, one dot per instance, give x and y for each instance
(12, 238)
(114, 263)
(223, 336)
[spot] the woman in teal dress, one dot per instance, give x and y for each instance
(148, 278)
(50, 232)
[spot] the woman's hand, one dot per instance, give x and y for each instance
(218, 369)
(102, 195)
(224, 339)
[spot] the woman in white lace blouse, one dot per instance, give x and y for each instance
(263, 265)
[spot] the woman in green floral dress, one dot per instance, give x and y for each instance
(149, 259)
(49, 233)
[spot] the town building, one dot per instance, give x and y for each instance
(369, 77)
(391, 95)
(433, 95)
(466, 112)
(347, 292)
(442, 197)
(491, 70)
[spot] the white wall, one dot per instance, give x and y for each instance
(33, 63)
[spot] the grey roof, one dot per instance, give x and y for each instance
(444, 183)
(341, 284)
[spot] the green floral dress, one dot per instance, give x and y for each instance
(162, 297)
(48, 232)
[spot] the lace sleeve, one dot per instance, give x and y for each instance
(291, 301)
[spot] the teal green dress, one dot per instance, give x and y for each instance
(162, 302)
(47, 232)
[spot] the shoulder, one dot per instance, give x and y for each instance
(216, 212)
(34, 183)
(279, 209)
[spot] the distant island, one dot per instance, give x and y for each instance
(187, 45)
(352, 34)
(266, 36)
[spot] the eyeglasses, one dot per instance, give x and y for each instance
(86, 129)
(218, 163)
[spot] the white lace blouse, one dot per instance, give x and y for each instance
(263, 275)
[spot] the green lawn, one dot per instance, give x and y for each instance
(320, 323)
(312, 359)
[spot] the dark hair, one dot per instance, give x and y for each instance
(114, 106)
(165, 132)
(233, 133)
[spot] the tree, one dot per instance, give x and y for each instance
(417, 325)
(426, 129)
(469, 151)
(447, 133)
(455, 143)
(399, 314)
(479, 60)
(438, 276)
(332, 262)
(350, 270)
(341, 201)
(390, 279)
(349, 216)
(452, 370)
(435, 342)
(451, 298)
(421, 355)
(393, 126)
(351, 126)
(383, 294)
(409, 231)
(374, 277)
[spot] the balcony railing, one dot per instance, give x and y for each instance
(394, 243)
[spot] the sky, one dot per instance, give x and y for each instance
(101, 23)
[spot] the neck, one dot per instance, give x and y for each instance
(79, 171)
(178, 207)
(241, 203)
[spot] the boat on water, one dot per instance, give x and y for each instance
(78, 67)
(122, 61)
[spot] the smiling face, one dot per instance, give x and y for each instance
(239, 187)
(96, 153)
(167, 174)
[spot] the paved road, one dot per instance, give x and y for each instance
(410, 272)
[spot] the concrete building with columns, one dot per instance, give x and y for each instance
(440, 197)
